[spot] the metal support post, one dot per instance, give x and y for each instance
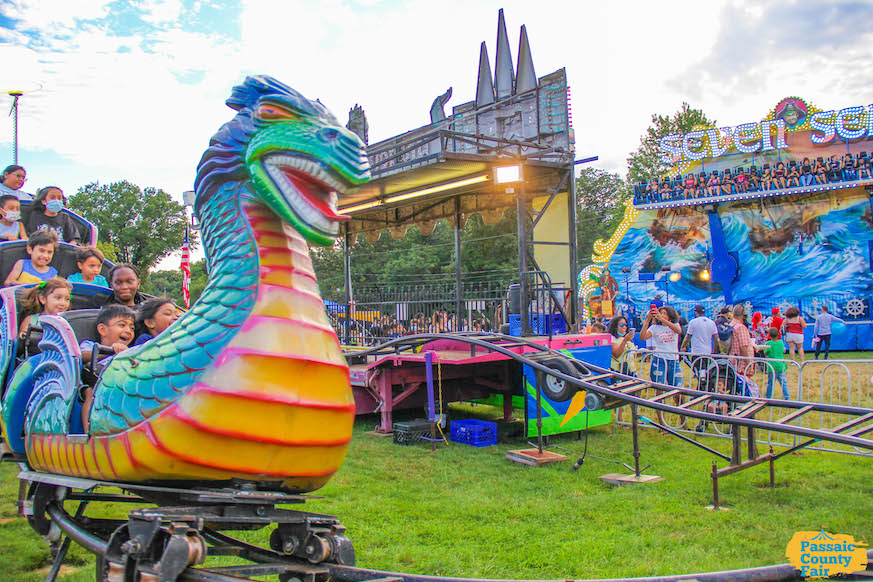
(521, 205)
(635, 424)
(714, 475)
(539, 419)
(347, 283)
(15, 96)
(458, 283)
(573, 321)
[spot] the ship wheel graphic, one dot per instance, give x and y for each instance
(855, 307)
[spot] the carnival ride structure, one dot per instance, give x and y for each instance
(803, 240)
(244, 403)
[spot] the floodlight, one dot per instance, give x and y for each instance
(508, 174)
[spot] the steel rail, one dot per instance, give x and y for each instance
(78, 533)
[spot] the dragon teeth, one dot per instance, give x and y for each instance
(313, 169)
(304, 210)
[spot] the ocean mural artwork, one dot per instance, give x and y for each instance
(784, 225)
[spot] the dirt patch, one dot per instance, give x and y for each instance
(65, 569)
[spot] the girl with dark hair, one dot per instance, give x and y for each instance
(690, 190)
(766, 179)
(793, 327)
(622, 338)
(727, 182)
(741, 181)
(849, 167)
(713, 185)
(154, 316)
(806, 172)
(47, 215)
(793, 180)
(779, 176)
(124, 282)
(662, 328)
(820, 171)
(51, 297)
(864, 167)
(11, 181)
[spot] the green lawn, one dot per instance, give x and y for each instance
(464, 511)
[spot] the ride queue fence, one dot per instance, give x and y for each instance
(849, 307)
(383, 312)
(840, 382)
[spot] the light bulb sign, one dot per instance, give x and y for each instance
(791, 115)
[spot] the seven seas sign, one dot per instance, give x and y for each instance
(847, 124)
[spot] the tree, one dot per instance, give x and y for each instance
(600, 201)
(169, 283)
(485, 249)
(645, 163)
(143, 225)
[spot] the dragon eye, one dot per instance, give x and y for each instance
(270, 112)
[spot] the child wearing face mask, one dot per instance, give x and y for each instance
(47, 215)
(10, 212)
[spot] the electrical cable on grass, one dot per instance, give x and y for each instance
(581, 460)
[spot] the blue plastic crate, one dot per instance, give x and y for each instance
(477, 433)
(539, 324)
(515, 325)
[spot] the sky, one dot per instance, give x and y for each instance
(134, 89)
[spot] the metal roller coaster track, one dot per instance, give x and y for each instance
(191, 521)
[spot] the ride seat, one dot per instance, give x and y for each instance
(64, 259)
(83, 322)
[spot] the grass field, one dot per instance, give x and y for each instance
(464, 511)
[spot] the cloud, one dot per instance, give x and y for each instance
(160, 11)
(135, 90)
(766, 49)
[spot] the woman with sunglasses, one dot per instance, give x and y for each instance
(622, 339)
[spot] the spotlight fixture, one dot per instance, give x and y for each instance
(508, 174)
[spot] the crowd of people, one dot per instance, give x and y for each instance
(45, 209)
(731, 333)
(741, 180)
(126, 316)
(383, 327)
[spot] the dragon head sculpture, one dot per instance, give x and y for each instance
(299, 158)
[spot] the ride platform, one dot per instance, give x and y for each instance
(396, 377)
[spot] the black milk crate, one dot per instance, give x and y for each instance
(411, 432)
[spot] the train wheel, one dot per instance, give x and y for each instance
(554, 388)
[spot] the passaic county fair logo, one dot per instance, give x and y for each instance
(820, 554)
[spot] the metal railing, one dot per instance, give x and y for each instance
(850, 307)
(382, 312)
(840, 382)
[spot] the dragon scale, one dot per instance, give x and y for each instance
(250, 383)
